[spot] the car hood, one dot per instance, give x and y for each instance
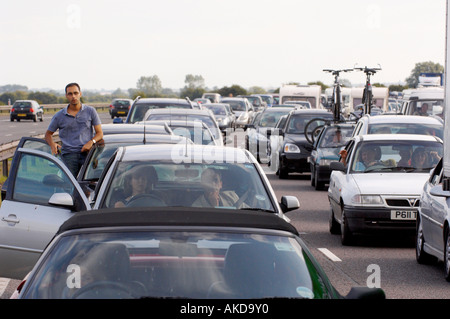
(391, 183)
(298, 139)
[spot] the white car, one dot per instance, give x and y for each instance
(42, 193)
(383, 195)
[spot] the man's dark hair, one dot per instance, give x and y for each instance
(72, 84)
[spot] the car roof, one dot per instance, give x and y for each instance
(136, 137)
(278, 109)
(313, 111)
(161, 100)
(397, 137)
(192, 153)
(179, 111)
(185, 123)
(175, 216)
(398, 118)
(134, 128)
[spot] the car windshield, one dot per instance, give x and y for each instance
(236, 105)
(297, 123)
(138, 111)
(121, 103)
(270, 119)
(426, 107)
(197, 134)
(230, 185)
(188, 117)
(176, 264)
(217, 110)
(408, 128)
(396, 156)
(335, 137)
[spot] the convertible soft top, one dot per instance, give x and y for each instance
(176, 216)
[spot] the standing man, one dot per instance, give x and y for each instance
(76, 123)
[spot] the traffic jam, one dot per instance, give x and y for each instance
(199, 199)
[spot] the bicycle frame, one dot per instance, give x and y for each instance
(367, 93)
(336, 106)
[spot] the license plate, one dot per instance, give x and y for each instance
(21, 114)
(403, 215)
(120, 112)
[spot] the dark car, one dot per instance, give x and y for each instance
(179, 253)
(256, 138)
(26, 110)
(224, 117)
(120, 107)
(326, 147)
(289, 148)
(142, 105)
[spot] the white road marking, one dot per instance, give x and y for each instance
(3, 284)
(329, 254)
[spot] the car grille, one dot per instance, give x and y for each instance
(405, 202)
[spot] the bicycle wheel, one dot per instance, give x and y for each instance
(310, 128)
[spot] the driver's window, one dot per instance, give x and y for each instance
(38, 179)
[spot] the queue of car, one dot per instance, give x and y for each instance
(50, 217)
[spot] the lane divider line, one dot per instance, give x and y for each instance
(329, 254)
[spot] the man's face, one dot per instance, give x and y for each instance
(73, 95)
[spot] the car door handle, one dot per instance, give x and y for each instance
(11, 219)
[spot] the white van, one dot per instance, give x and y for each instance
(380, 97)
(310, 93)
(413, 99)
(213, 97)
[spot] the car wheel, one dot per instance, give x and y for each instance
(283, 172)
(334, 226)
(313, 177)
(447, 256)
(12, 120)
(35, 118)
(346, 235)
(319, 185)
(41, 119)
(421, 256)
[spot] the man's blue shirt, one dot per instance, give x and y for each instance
(75, 131)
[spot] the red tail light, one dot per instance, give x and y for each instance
(32, 110)
(111, 106)
(12, 110)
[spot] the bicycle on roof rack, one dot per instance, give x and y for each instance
(367, 93)
(315, 125)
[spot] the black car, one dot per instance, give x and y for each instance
(195, 253)
(289, 148)
(120, 107)
(26, 110)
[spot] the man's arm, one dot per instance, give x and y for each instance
(49, 139)
(98, 136)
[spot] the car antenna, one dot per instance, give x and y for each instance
(144, 141)
(189, 101)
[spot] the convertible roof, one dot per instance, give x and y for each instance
(176, 216)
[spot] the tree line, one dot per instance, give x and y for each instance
(151, 86)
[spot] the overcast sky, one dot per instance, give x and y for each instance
(109, 44)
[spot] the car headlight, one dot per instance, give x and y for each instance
(325, 162)
(367, 199)
(291, 148)
(243, 117)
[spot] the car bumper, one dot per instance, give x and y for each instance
(24, 116)
(368, 220)
(119, 112)
(295, 162)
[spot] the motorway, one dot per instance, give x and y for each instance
(387, 262)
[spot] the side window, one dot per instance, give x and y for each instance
(38, 179)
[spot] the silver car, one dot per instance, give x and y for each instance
(42, 193)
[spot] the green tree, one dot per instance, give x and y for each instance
(43, 97)
(234, 90)
(150, 85)
(256, 90)
(322, 85)
(194, 81)
(423, 67)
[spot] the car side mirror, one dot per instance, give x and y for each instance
(61, 199)
(289, 203)
(337, 166)
(439, 192)
(365, 293)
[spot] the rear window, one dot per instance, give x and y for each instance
(22, 104)
(121, 103)
(139, 110)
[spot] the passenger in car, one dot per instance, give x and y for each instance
(420, 158)
(405, 157)
(213, 195)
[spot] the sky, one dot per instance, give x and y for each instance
(110, 44)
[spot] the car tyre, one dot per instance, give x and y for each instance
(313, 177)
(335, 227)
(35, 118)
(347, 238)
(319, 185)
(421, 256)
(447, 255)
(283, 172)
